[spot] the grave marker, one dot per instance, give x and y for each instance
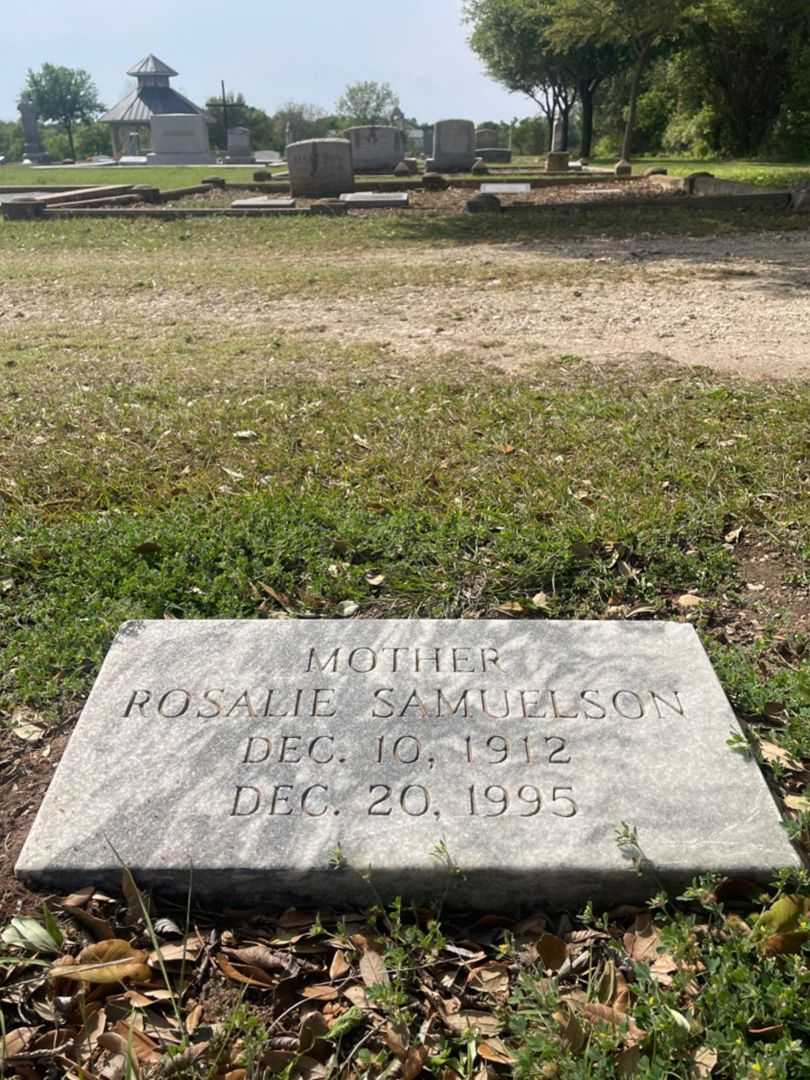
(261, 753)
(519, 188)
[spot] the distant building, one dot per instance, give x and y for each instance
(153, 96)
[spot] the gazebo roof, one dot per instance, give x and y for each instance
(144, 102)
(151, 65)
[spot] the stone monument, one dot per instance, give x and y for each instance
(32, 151)
(488, 147)
(252, 758)
(180, 139)
(427, 141)
(376, 148)
(453, 146)
(320, 167)
(486, 137)
(239, 151)
(557, 160)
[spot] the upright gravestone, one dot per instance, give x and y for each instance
(239, 151)
(486, 138)
(488, 148)
(32, 150)
(376, 148)
(493, 761)
(427, 141)
(180, 139)
(453, 146)
(320, 167)
(557, 160)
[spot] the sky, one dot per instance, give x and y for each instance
(272, 51)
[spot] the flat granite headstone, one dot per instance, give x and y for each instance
(505, 189)
(266, 202)
(379, 200)
(488, 763)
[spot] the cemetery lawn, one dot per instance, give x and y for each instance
(398, 416)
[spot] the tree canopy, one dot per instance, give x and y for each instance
(66, 96)
(514, 39)
(368, 103)
(721, 76)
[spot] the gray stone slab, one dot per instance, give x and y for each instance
(255, 751)
(376, 200)
(505, 189)
(264, 201)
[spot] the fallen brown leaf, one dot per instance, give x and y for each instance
(495, 1051)
(491, 978)
(553, 952)
(106, 962)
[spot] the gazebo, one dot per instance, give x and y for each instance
(152, 96)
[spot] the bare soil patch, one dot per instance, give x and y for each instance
(25, 772)
(733, 304)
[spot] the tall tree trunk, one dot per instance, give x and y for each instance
(69, 132)
(586, 92)
(632, 111)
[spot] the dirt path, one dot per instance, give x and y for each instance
(736, 305)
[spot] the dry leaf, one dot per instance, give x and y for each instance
(145, 1050)
(703, 1063)
(494, 1050)
(414, 1062)
(372, 969)
(510, 607)
(571, 1032)
(245, 973)
(321, 992)
(799, 803)
(540, 600)
(553, 952)
(271, 960)
(643, 940)
(688, 602)
(491, 978)
(375, 579)
(340, 966)
(347, 608)
(99, 928)
(773, 754)
(471, 1020)
(16, 1042)
(357, 996)
(106, 962)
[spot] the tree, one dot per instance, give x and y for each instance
(745, 58)
(638, 25)
(66, 96)
(368, 103)
(297, 120)
(240, 114)
(512, 38)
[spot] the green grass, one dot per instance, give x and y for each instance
(767, 173)
(595, 491)
(127, 491)
(156, 175)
